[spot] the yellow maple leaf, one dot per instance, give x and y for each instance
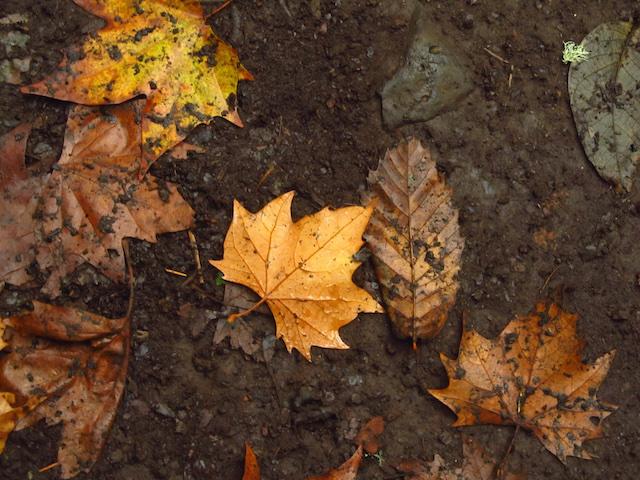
(159, 48)
(302, 270)
(530, 376)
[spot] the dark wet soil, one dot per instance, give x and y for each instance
(313, 124)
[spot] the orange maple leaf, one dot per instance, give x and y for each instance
(88, 204)
(415, 240)
(530, 376)
(301, 270)
(163, 49)
(77, 362)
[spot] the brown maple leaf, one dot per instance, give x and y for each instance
(74, 363)
(88, 204)
(477, 465)
(530, 376)
(163, 49)
(301, 270)
(415, 240)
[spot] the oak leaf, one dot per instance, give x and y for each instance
(530, 376)
(301, 270)
(88, 204)
(75, 363)
(163, 49)
(347, 471)
(477, 465)
(415, 240)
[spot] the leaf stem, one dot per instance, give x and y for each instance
(501, 470)
(234, 316)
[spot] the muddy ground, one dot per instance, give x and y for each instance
(312, 116)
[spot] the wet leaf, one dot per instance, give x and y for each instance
(240, 336)
(163, 49)
(301, 270)
(415, 239)
(605, 99)
(347, 471)
(531, 375)
(477, 464)
(251, 466)
(367, 438)
(11, 413)
(77, 361)
(88, 204)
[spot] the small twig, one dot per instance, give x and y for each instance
(196, 257)
(175, 272)
(220, 8)
(510, 77)
(49, 467)
(132, 279)
(285, 8)
(500, 470)
(496, 56)
(546, 282)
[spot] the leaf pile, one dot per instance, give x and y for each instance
(415, 239)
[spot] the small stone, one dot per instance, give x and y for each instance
(467, 21)
(445, 438)
(205, 418)
(164, 410)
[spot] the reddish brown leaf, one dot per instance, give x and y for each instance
(251, 466)
(367, 438)
(83, 210)
(347, 471)
(76, 360)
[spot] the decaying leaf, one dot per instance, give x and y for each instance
(163, 49)
(532, 376)
(347, 471)
(302, 270)
(368, 435)
(251, 466)
(367, 438)
(477, 465)
(16, 202)
(239, 333)
(181, 151)
(415, 239)
(76, 361)
(85, 207)
(605, 99)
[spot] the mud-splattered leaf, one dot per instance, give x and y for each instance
(88, 204)
(240, 336)
(531, 375)
(605, 99)
(301, 270)
(477, 464)
(415, 239)
(163, 49)
(77, 361)
(16, 202)
(251, 466)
